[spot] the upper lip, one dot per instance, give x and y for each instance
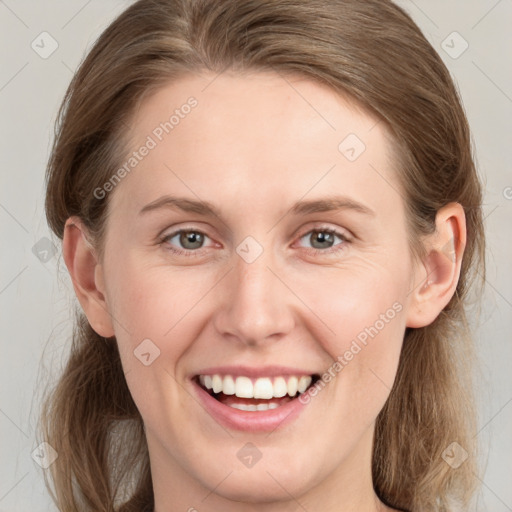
(254, 372)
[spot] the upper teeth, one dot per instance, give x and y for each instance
(264, 387)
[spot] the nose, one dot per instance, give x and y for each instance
(257, 306)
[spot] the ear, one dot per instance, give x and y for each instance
(438, 274)
(87, 276)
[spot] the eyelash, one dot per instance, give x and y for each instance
(310, 250)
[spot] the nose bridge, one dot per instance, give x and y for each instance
(257, 306)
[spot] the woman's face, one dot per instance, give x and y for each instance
(294, 263)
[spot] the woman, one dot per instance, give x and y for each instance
(270, 215)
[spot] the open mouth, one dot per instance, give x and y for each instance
(260, 394)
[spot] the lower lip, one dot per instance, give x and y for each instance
(252, 421)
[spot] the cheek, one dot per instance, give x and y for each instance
(365, 310)
(151, 301)
(357, 305)
(156, 311)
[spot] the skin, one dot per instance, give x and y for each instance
(253, 146)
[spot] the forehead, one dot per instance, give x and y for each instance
(258, 137)
(266, 105)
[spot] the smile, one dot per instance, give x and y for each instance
(265, 388)
(253, 403)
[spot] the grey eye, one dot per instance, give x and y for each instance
(187, 239)
(322, 238)
(191, 239)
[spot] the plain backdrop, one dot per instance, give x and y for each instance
(475, 41)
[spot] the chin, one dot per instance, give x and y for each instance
(268, 481)
(258, 489)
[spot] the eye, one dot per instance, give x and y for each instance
(189, 239)
(323, 240)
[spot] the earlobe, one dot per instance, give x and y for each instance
(438, 273)
(86, 275)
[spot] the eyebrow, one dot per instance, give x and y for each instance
(205, 208)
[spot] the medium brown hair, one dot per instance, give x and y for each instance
(370, 51)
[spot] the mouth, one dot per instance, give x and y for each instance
(255, 395)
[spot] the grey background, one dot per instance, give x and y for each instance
(35, 291)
